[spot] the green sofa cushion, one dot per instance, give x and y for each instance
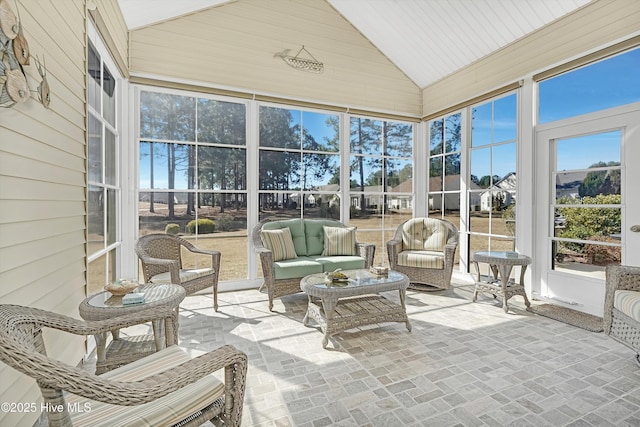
(296, 226)
(345, 262)
(298, 267)
(314, 230)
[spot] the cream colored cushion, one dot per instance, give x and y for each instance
(424, 233)
(166, 410)
(280, 243)
(628, 302)
(185, 275)
(339, 241)
(421, 259)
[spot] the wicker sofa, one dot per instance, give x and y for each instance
(424, 249)
(282, 277)
(622, 306)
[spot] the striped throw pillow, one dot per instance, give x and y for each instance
(280, 243)
(339, 241)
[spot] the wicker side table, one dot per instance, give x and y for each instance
(501, 264)
(161, 303)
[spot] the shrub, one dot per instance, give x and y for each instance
(172, 228)
(224, 222)
(205, 225)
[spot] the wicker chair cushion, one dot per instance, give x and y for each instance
(167, 410)
(345, 262)
(185, 275)
(628, 302)
(421, 259)
(424, 234)
(314, 232)
(297, 229)
(280, 243)
(339, 241)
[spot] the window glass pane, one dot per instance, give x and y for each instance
(94, 77)
(399, 139)
(453, 127)
(221, 122)
(482, 128)
(110, 151)
(322, 206)
(318, 170)
(452, 171)
(108, 96)
(279, 127)
(95, 207)
(505, 117)
(604, 84)
(165, 165)
(95, 150)
(112, 216)
(503, 161)
(436, 137)
(400, 174)
(321, 132)
(481, 167)
(97, 275)
(366, 136)
(279, 170)
(435, 174)
(589, 151)
(366, 171)
(158, 209)
(222, 168)
(167, 117)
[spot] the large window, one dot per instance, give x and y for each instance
(492, 181)
(299, 164)
(193, 174)
(381, 179)
(104, 191)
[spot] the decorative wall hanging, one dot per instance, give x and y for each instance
(14, 55)
(311, 65)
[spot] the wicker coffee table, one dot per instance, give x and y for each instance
(341, 306)
(161, 304)
(501, 264)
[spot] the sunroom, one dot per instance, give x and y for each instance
(518, 122)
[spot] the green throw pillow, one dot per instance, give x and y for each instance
(280, 243)
(339, 241)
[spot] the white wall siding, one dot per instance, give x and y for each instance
(234, 46)
(589, 28)
(42, 187)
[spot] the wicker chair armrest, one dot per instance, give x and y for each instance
(618, 277)
(366, 251)
(394, 247)
(57, 375)
(196, 250)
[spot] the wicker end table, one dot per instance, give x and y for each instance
(501, 263)
(161, 303)
(341, 306)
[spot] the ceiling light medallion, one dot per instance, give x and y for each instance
(311, 64)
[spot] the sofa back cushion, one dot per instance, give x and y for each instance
(424, 234)
(314, 230)
(296, 227)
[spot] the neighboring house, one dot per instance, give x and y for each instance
(568, 183)
(401, 196)
(505, 190)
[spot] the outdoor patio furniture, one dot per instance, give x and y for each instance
(424, 250)
(165, 388)
(161, 259)
(306, 255)
(622, 306)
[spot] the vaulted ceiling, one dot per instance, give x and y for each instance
(426, 39)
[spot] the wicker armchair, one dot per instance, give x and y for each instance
(161, 259)
(165, 388)
(622, 306)
(424, 249)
